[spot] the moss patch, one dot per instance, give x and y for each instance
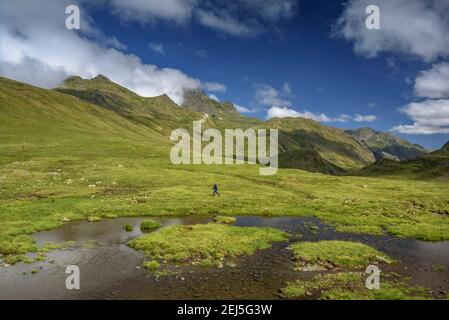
(351, 286)
(205, 243)
(149, 224)
(225, 219)
(327, 255)
(15, 258)
(128, 227)
(93, 219)
(151, 265)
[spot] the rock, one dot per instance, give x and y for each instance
(137, 267)
(182, 278)
(220, 265)
(6, 265)
(65, 219)
(92, 186)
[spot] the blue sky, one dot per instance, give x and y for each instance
(290, 55)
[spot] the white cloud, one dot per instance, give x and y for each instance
(429, 116)
(268, 96)
(284, 112)
(433, 83)
(361, 118)
(414, 27)
(36, 48)
(213, 97)
(156, 47)
(243, 109)
(215, 86)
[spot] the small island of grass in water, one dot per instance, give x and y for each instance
(149, 224)
(205, 244)
(329, 255)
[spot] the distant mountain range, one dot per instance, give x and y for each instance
(386, 145)
(431, 165)
(89, 105)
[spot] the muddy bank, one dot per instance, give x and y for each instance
(111, 270)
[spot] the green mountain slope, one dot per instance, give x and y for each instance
(158, 113)
(63, 158)
(384, 145)
(332, 144)
(31, 118)
(323, 149)
(431, 165)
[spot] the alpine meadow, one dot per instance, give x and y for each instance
(99, 183)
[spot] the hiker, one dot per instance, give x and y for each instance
(215, 188)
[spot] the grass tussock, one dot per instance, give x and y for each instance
(225, 219)
(328, 255)
(206, 244)
(351, 286)
(149, 224)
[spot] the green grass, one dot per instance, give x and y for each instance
(351, 286)
(225, 219)
(93, 219)
(128, 228)
(61, 158)
(149, 224)
(13, 259)
(336, 254)
(151, 265)
(205, 244)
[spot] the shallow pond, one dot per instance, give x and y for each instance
(111, 270)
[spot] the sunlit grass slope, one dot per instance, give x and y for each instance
(62, 158)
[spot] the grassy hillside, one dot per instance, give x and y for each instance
(429, 166)
(297, 136)
(331, 144)
(158, 113)
(383, 144)
(65, 159)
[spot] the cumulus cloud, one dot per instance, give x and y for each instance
(213, 97)
(433, 83)
(429, 116)
(268, 96)
(367, 118)
(415, 27)
(243, 109)
(35, 47)
(284, 112)
(156, 47)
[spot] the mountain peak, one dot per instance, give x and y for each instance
(386, 143)
(199, 101)
(101, 78)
